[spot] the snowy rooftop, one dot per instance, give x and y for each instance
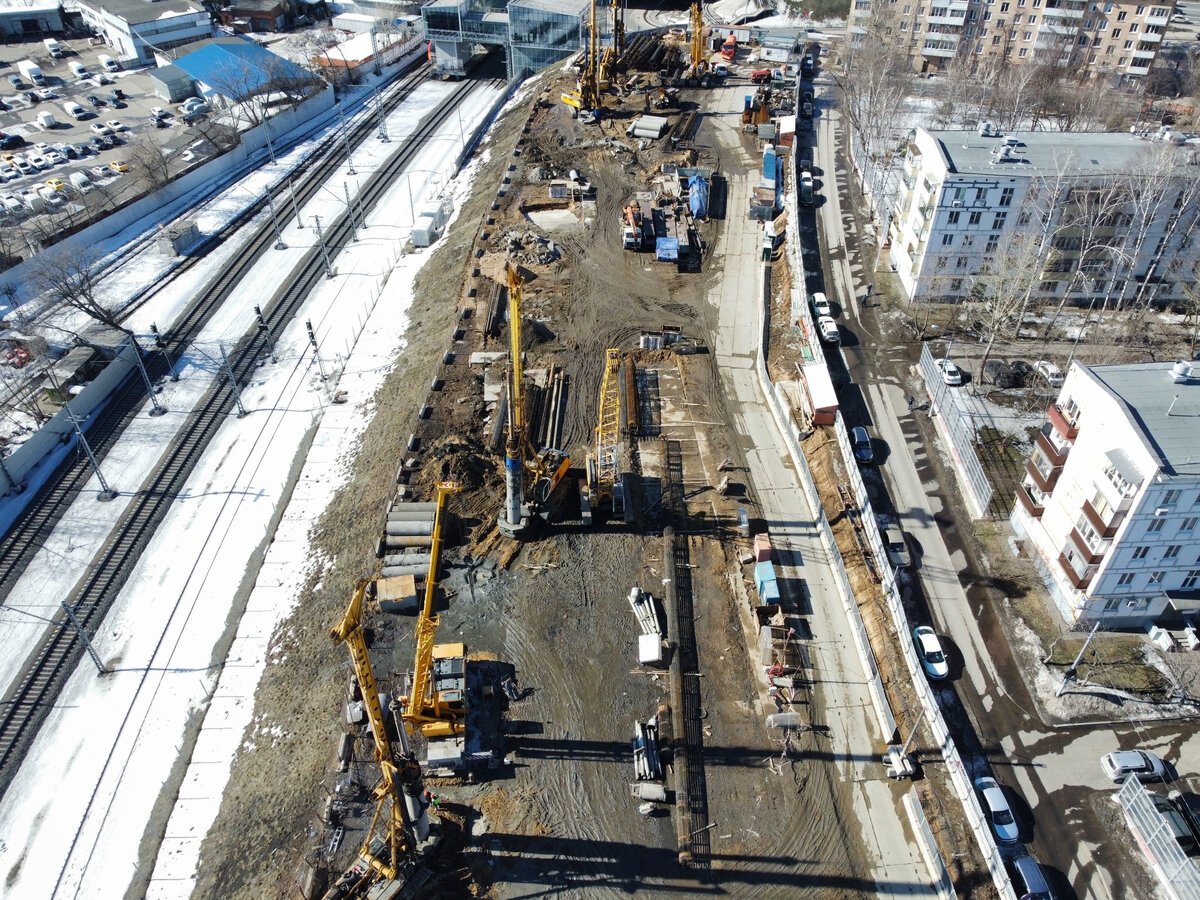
(1167, 411)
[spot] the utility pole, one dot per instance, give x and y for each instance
(87, 644)
(1074, 667)
(279, 244)
(162, 348)
(312, 339)
(265, 330)
(375, 56)
(158, 409)
(383, 135)
(350, 210)
(345, 139)
(324, 252)
(106, 493)
(233, 383)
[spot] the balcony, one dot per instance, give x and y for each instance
(1078, 581)
(955, 21)
(1083, 551)
(1159, 20)
(1045, 483)
(1055, 454)
(1152, 37)
(1032, 508)
(1063, 423)
(1144, 54)
(1137, 70)
(946, 52)
(1107, 529)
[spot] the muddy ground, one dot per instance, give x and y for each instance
(558, 818)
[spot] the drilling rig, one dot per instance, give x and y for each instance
(586, 99)
(529, 478)
(698, 63)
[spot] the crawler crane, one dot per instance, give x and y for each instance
(602, 465)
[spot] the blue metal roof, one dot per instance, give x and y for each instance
(239, 69)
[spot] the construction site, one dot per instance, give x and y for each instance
(555, 653)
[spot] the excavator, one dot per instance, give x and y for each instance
(526, 473)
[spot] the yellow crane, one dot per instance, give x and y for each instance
(699, 63)
(425, 708)
(542, 470)
(602, 465)
(398, 776)
(587, 97)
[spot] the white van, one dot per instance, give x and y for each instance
(46, 119)
(79, 70)
(53, 47)
(74, 110)
(110, 64)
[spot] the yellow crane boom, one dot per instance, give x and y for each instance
(424, 707)
(602, 467)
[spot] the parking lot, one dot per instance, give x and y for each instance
(37, 174)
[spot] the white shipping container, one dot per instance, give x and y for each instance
(424, 232)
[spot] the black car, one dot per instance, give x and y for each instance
(12, 142)
(67, 150)
(999, 373)
(97, 142)
(117, 99)
(1021, 372)
(95, 101)
(159, 122)
(116, 94)
(82, 150)
(30, 98)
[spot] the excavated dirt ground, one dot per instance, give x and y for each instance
(558, 818)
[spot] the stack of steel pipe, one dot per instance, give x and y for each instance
(645, 611)
(409, 525)
(647, 765)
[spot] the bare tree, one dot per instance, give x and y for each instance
(149, 162)
(874, 79)
(1000, 293)
(68, 277)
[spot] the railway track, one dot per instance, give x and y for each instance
(27, 704)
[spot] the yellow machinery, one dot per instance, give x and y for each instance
(547, 467)
(611, 58)
(602, 466)
(699, 63)
(587, 98)
(425, 708)
(400, 840)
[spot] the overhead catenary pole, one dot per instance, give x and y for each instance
(266, 332)
(312, 339)
(279, 244)
(157, 408)
(162, 348)
(350, 210)
(87, 643)
(345, 139)
(106, 493)
(383, 134)
(324, 251)
(233, 382)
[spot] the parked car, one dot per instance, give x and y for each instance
(861, 442)
(46, 94)
(159, 122)
(1177, 823)
(996, 808)
(97, 143)
(82, 150)
(99, 173)
(820, 305)
(929, 651)
(828, 330)
(1022, 372)
(13, 206)
(8, 172)
(897, 549)
(55, 158)
(12, 142)
(100, 128)
(1142, 764)
(118, 166)
(67, 150)
(116, 94)
(997, 372)
(1048, 372)
(56, 184)
(39, 161)
(159, 112)
(1028, 880)
(15, 81)
(95, 101)
(117, 125)
(807, 189)
(951, 374)
(24, 166)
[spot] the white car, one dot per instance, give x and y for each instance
(929, 651)
(820, 305)
(24, 166)
(13, 205)
(39, 161)
(996, 808)
(828, 330)
(56, 158)
(50, 195)
(1142, 764)
(158, 112)
(117, 125)
(8, 173)
(101, 129)
(1049, 373)
(951, 374)
(100, 173)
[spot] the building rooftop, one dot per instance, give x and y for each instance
(1042, 153)
(1163, 405)
(562, 7)
(239, 69)
(138, 12)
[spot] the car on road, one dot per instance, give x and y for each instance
(861, 441)
(998, 372)
(807, 189)
(1048, 372)
(1028, 880)
(1142, 764)
(897, 549)
(828, 330)
(996, 808)
(118, 166)
(929, 651)
(117, 125)
(951, 374)
(820, 305)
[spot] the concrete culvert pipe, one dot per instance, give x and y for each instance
(408, 529)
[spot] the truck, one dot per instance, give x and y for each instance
(729, 48)
(32, 72)
(53, 47)
(45, 119)
(74, 110)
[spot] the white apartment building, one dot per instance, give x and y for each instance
(136, 30)
(1110, 503)
(1115, 40)
(964, 195)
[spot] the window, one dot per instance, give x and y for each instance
(1170, 498)
(974, 218)
(956, 284)
(968, 240)
(961, 263)
(1125, 579)
(1112, 605)
(1188, 524)
(953, 218)
(998, 221)
(941, 261)
(1032, 20)
(1173, 551)
(1140, 552)
(1189, 580)
(1017, 19)
(1121, 16)
(1156, 577)
(1155, 526)
(1003, 7)
(1133, 27)
(993, 242)
(1116, 33)
(1028, 36)
(980, 194)
(1128, 45)
(1006, 196)
(947, 240)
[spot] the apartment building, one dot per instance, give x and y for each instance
(1110, 503)
(1118, 39)
(964, 198)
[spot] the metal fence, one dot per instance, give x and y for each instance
(959, 430)
(1175, 870)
